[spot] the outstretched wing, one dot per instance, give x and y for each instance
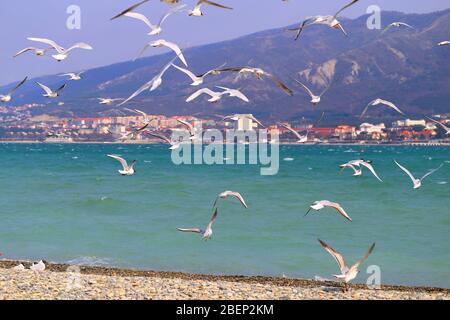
(345, 7)
(122, 161)
(129, 9)
(18, 86)
(49, 42)
(360, 261)
(405, 170)
(431, 172)
(194, 230)
(336, 255)
(370, 167)
(45, 88)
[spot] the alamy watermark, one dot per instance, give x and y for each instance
(73, 21)
(374, 20)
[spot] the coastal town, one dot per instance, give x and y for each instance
(17, 124)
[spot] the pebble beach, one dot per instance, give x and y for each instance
(63, 282)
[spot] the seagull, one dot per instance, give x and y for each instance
(357, 172)
(226, 194)
(396, 25)
(37, 51)
(128, 170)
(173, 145)
(259, 74)
(381, 101)
(197, 80)
(155, 29)
(49, 93)
(315, 100)
(236, 117)
(62, 52)
(73, 76)
(206, 234)
(40, 266)
(197, 11)
(347, 274)
(108, 101)
(163, 43)
(146, 121)
(417, 182)
(328, 20)
(444, 43)
(234, 93)
(364, 163)
(301, 139)
(215, 96)
(190, 127)
(447, 129)
(152, 85)
(8, 96)
(319, 205)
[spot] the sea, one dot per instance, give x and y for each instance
(67, 203)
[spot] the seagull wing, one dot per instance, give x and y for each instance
(238, 196)
(366, 109)
(194, 230)
(406, 25)
(187, 125)
(186, 71)
(431, 172)
(160, 136)
(360, 261)
(122, 161)
(213, 4)
(281, 85)
(441, 124)
(339, 208)
(23, 51)
(60, 88)
(391, 105)
(49, 42)
(17, 86)
(370, 167)
(142, 51)
(141, 17)
(336, 255)
(292, 130)
(129, 9)
(170, 12)
(305, 87)
(198, 93)
(345, 7)
(139, 91)
(80, 45)
(405, 170)
(46, 89)
(214, 216)
(176, 49)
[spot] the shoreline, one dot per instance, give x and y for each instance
(118, 283)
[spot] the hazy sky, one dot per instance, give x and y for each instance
(121, 40)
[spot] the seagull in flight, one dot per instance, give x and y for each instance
(191, 129)
(152, 85)
(215, 96)
(128, 170)
(417, 182)
(444, 43)
(73, 76)
(364, 163)
(301, 139)
(163, 43)
(197, 11)
(319, 205)
(447, 129)
(122, 137)
(377, 102)
(315, 100)
(207, 233)
(154, 29)
(227, 194)
(108, 101)
(8, 96)
(37, 51)
(233, 93)
(49, 93)
(197, 80)
(237, 117)
(397, 25)
(347, 274)
(63, 53)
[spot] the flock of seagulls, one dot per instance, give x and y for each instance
(128, 169)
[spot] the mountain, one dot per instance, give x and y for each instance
(405, 66)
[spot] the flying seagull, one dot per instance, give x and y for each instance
(417, 182)
(259, 74)
(8, 96)
(227, 194)
(128, 170)
(152, 85)
(301, 139)
(49, 93)
(197, 80)
(197, 11)
(190, 127)
(173, 145)
(108, 101)
(163, 43)
(62, 52)
(397, 25)
(122, 136)
(364, 163)
(447, 129)
(73, 76)
(236, 117)
(319, 205)
(233, 93)
(383, 102)
(154, 29)
(444, 43)
(37, 51)
(315, 100)
(206, 234)
(215, 96)
(347, 274)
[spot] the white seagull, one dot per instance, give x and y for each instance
(417, 182)
(444, 43)
(319, 205)
(108, 101)
(234, 93)
(62, 52)
(227, 194)
(215, 96)
(347, 274)
(163, 43)
(364, 163)
(197, 80)
(8, 96)
(153, 84)
(447, 129)
(237, 117)
(37, 51)
(197, 11)
(128, 170)
(397, 25)
(49, 93)
(301, 139)
(39, 267)
(207, 233)
(154, 29)
(315, 100)
(191, 129)
(73, 76)
(383, 102)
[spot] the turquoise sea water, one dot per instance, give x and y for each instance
(67, 203)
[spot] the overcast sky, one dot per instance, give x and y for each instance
(121, 40)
